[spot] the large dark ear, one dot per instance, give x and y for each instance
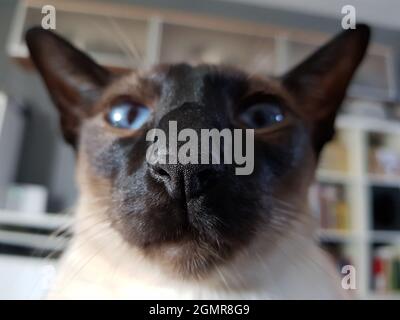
(319, 83)
(74, 81)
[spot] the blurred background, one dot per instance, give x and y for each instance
(356, 196)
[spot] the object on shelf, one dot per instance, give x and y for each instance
(27, 198)
(334, 156)
(364, 108)
(386, 162)
(386, 269)
(384, 155)
(385, 208)
(342, 255)
(11, 130)
(332, 207)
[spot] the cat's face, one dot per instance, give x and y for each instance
(204, 212)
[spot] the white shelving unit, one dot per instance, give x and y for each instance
(360, 237)
(11, 134)
(127, 37)
(26, 275)
(24, 224)
(43, 220)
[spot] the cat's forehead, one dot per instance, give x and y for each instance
(205, 78)
(197, 75)
(175, 84)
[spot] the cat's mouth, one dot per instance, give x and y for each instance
(177, 221)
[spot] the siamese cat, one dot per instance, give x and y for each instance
(192, 231)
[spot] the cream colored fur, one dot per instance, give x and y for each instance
(100, 265)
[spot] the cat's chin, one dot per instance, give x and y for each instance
(186, 240)
(188, 257)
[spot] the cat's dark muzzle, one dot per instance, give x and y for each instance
(193, 198)
(186, 202)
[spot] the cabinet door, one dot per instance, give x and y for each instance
(113, 41)
(196, 45)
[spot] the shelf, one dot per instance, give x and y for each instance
(45, 220)
(330, 176)
(385, 236)
(383, 180)
(331, 235)
(34, 240)
(37, 241)
(368, 124)
(383, 296)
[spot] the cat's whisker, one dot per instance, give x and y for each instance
(85, 263)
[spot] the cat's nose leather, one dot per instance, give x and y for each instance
(189, 180)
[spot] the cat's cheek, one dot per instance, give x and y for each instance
(100, 150)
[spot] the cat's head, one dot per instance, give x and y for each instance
(206, 212)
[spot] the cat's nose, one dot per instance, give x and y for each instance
(189, 180)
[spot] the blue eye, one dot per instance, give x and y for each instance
(262, 115)
(128, 115)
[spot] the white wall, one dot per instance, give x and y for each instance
(24, 278)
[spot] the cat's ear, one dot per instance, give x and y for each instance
(319, 83)
(73, 80)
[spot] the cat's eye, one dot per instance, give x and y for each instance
(262, 115)
(127, 115)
